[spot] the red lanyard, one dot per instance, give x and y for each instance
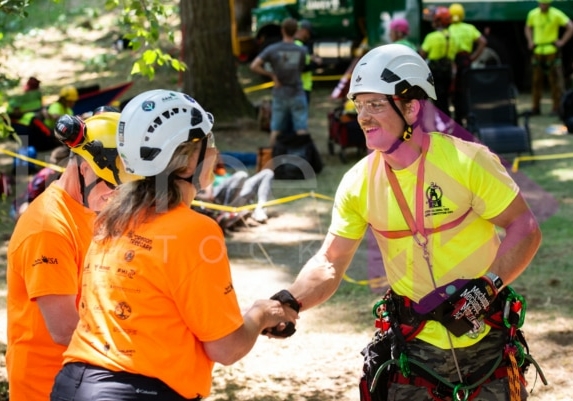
(416, 225)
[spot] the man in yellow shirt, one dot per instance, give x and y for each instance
(470, 43)
(439, 48)
(542, 34)
(433, 202)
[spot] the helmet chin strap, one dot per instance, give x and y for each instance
(194, 178)
(408, 128)
(86, 189)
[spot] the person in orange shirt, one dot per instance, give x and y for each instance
(46, 252)
(158, 307)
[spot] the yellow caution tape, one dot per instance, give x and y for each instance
(54, 167)
(374, 283)
(515, 165)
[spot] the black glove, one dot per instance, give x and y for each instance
(465, 308)
(284, 297)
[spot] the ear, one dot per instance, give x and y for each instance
(84, 167)
(411, 110)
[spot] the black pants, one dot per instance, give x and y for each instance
(463, 64)
(442, 73)
(83, 382)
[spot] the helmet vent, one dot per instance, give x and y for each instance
(389, 76)
(431, 79)
(196, 118)
(147, 153)
(196, 133)
(402, 87)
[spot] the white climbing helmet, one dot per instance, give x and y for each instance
(153, 124)
(391, 70)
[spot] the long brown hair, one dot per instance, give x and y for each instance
(139, 201)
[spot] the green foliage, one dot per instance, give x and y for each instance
(146, 20)
(14, 7)
(150, 58)
(143, 20)
(146, 23)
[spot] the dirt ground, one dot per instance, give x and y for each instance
(322, 360)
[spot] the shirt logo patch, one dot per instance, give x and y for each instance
(122, 311)
(434, 195)
(45, 260)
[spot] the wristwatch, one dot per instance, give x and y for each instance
(497, 282)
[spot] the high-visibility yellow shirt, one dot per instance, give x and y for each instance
(546, 28)
(465, 35)
(460, 177)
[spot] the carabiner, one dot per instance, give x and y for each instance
(459, 388)
(515, 303)
(379, 308)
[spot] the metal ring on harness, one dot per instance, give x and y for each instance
(511, 297)
(465, 391)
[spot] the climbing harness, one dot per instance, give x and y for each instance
(386, 357)
(395, 366)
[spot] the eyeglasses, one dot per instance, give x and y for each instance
(374, 106)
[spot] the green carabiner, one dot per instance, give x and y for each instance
(459, 388)
(377, 308)
(513, 297)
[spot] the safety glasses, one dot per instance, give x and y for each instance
(373, 106)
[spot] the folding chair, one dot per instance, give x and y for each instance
(492, 112)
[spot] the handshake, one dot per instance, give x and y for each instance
(284, 297)
(460, 305)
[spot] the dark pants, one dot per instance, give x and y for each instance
(463, 64)
(550, 65)
(470, 359)
(442, 73)
(83, 382)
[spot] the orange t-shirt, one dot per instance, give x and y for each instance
(45, 254)
(152, 297)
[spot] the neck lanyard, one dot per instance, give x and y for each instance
(416, 225)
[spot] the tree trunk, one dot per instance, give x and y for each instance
(211, 76)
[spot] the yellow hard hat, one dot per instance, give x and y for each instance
(94, 140)
(69, 93)
(545, 1)
(457, 12)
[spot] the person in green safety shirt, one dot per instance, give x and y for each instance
(542, 33)
(434, 204)
(36, 128)
(471, 43)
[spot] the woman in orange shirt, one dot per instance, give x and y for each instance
(158, 307)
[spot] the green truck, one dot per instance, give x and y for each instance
(343, 28)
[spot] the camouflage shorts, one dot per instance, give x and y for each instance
(470, 360)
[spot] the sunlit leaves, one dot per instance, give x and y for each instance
(147, 20)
